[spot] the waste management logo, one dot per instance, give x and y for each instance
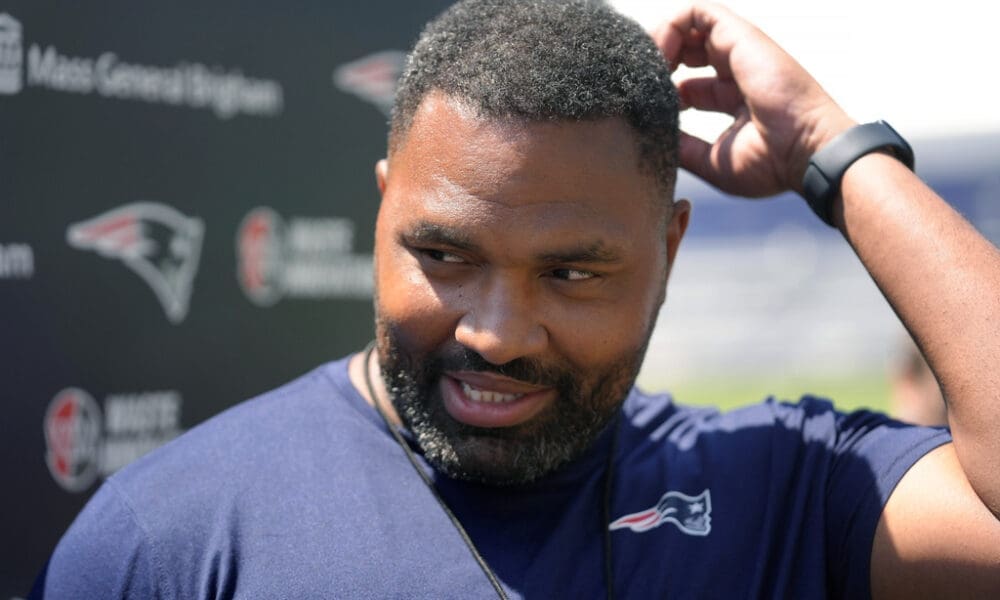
(155, 241)
(225, 91)
(83, 444)
(72, 434)
(307, 257)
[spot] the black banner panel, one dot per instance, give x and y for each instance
(187, 201)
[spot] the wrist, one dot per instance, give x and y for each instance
(821, 182)
(824, 130)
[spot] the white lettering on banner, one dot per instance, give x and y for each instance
(309, 236)
(17, 261)
(347, 277)
(139, 413)
(136, 423)
(308, 257)
(226, 92)
(231, 93)
(11, 55)
(62, 73)
(150, 84)
(79, 450)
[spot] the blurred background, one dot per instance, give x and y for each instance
(765, 299)
(187, 201)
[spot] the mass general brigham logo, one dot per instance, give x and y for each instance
(226, 91)
(11, 55)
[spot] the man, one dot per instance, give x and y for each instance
(523, 244)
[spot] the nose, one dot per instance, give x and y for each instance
(501, 323)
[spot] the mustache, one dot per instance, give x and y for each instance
(522, 369)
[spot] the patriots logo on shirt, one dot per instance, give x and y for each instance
(691, 514)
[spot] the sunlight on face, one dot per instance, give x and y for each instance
(519, 270)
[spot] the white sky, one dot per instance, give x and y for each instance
(926, 67)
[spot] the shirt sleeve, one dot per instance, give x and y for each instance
(104, 554)
(871, 454)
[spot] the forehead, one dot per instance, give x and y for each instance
(505, 169)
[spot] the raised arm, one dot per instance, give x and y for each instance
(939, 532)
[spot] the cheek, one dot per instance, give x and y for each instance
(593, 336)
(421, 317)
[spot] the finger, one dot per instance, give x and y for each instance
(698, 35)
(695, 156)
(694, 54)
(681, 42)
(711, 94)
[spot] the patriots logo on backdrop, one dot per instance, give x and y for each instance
(372, 78)
(161, 245)
(691, 514)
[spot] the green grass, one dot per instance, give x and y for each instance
(848, 393)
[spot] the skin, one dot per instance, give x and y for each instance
(939, 533)
(518, 241)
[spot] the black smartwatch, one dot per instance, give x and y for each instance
(821, 182)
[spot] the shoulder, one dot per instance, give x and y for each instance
(810, 480)
(786, 440)
(104, 554)
(808, 419)
(183, 504)
(657, 417)
(313, 402)
(260, 439)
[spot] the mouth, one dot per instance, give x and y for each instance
(486, 400)
(478, 395)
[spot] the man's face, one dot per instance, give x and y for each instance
(519, 271)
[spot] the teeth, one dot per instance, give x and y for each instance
(487, 396)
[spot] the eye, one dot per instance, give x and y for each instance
(442, 256)
(573, 274)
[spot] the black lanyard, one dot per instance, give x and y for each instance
(605, 515)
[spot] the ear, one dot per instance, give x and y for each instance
(676, 228)
(382, 174)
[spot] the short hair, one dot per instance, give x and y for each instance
(546, 60)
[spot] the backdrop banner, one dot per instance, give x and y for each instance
(187, 200)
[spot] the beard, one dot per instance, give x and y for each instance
(585, 404)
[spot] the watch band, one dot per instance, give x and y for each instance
(821, 182)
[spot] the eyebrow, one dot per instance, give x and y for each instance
(595, 253)
(425, 232)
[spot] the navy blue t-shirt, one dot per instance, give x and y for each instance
(303, 493)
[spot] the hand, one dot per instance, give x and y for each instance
(782, 115)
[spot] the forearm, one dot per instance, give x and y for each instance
(943, 280)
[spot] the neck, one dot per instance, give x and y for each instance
(364, 367)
